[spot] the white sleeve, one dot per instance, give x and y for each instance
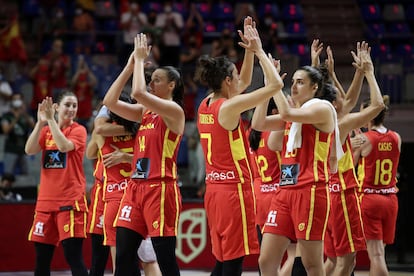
(179, 20)
(125, 17)
(6, 89)
(143, 18)
(103, 112)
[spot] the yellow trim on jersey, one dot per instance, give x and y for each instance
(31, 228)
(326, 153)
(168, 149)
(311, 212)
(251, 174)
(346, 165)
(361, 174)
(104, 174)
(162, 206)
(279, 160)
(177, 209)
(208, 137)
(244, 219)
(237, 151)
(104, 226)
(321, 153)
(98, 161)
(359, 198)
(247, 158)
(95, 203)
(347, 222)
(174, 170)
(85, 201)
(72, 223)
(316, 157)
(119, 208)
(328, 210)
(85, 221)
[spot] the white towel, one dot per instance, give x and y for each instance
(295, 133)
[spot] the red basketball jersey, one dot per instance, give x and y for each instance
(226, 152)
(377, 171)
(268, 161)
(345, 178)
(155, 151)
(307, 165)
(62, 178)
(116, 177)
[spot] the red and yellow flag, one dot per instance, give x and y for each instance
(11, 43)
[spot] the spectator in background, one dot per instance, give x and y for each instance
(42, 23)
(152, 29)
(190, 95)
(58, 24)
(188, 59)
(194, 27)
(189, 55)
(39, 76)
(224, 46)
(241, 11)
(7, 181)
(171, 23)
(88, 5)
(153, 38)
(271, 31)
(12, 49)
(48, 4)
(59, 68)
(153, 58)
(41, 27)
(16, 126)
(192, 42)
(84, 28)
(5, 93)
(132, 22)
(83, 83)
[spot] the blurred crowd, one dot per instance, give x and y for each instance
(56, 45)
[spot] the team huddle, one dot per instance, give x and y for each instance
(306, 185)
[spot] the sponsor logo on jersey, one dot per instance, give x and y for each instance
(125, 213)
(226, 175)
(271, 218)
(115, 187)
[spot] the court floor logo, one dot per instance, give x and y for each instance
(192, 234)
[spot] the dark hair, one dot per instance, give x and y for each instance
(255, 135)
(328, 93)
(254, 139)
(326, 90)
(174, 75)
(212, 71)
(129, 126)
(147, 74)
(65, 93)
(9, 177)
(381, 116)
